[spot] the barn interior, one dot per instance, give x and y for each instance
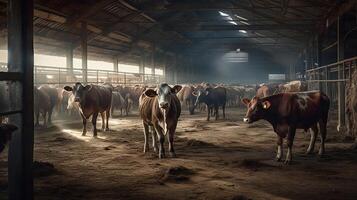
(240, 45)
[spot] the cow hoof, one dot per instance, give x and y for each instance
(277, 159)
(83, 134)
(309, 152)
(95, 136)
(173, 154)
(106, 129)
(287, 162)
(161, 156)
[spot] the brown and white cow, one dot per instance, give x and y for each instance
(186, 98)
(160, 109)
(92, 100)
(5, 134)
(287, 112)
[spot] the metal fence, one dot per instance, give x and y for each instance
(326, 78)
(333, 80)
(61, 76)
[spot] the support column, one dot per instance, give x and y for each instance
(115, 64)
(69, 59)
(84, 51)
(20, 59)
(341, 75)
(153, 61)
(142, 63)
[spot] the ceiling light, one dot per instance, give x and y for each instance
(223, 14)
(242, 31)
(233, 23)
(243, 22)
(242, 18)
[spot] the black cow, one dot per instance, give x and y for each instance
(213, 98)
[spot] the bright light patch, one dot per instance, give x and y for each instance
(128, 68)
(242, 18)
(78, 135)
(159, 72)
(242, 31)
(243, 22)
(147, 70)
(49, 76)
(233, 23)
(223, 14)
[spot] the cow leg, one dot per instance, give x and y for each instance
(290, 141)
(170, 137)
(50, 116)
(84, 121)
(37, 115)
(161, 138)
(208, 114)
(146, 137)
(313, 133)
(107, 115)
(103, 121)
(216, 111)
(44, 119)
(153, 137)
(94, 123)
(224, 111)
(322, 126)
(279, 154)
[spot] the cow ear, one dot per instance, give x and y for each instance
(68, 88)
(150, 93)
(88, 87)
(176, 89)
(266, 104)
(245, 101)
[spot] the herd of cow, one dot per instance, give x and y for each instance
(286, 107)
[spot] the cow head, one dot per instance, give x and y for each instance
(79, 91)
(5, 134)
(164, 94)
(256, 109)
(201, 95)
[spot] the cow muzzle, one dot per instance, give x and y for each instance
(246, 120)
(164, 105)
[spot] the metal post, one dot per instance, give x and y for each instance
(84, 51)
(115, 63)
(341, 75)
(20, 59)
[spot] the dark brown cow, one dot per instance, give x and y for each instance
(213, 98)
(5, 134)
(118, 102)
(92, 100)
(287, 112)
(45, 99)
(160, 109)
(187, 98)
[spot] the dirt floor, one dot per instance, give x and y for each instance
(222, 159)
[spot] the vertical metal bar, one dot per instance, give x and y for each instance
(97, 76)
(84, 51)
(20, 59)
(340, 85)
